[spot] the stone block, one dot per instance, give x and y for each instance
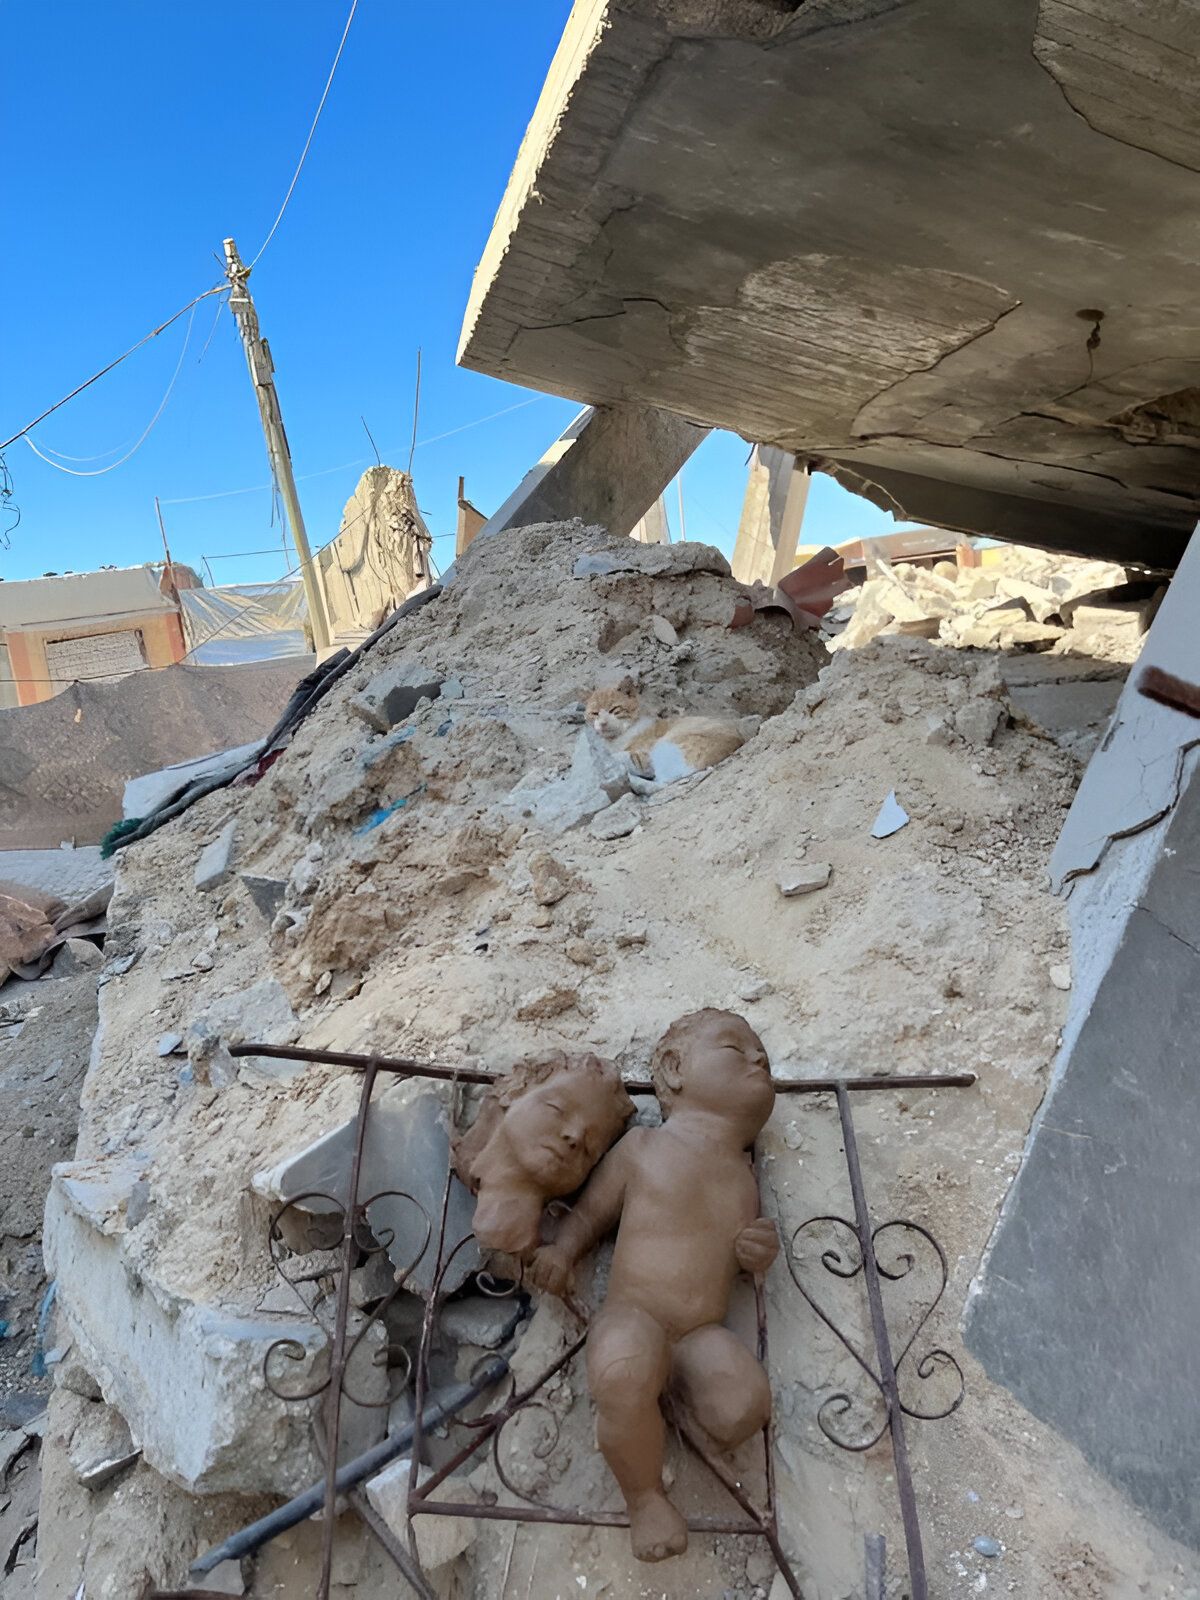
(394, 695)
(407, 1148)
(618, 820)
(480, 1319)
(976, 720)
(216, 859)
(186, 1375)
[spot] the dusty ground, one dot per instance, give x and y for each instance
(441, 930)
(45, 1035)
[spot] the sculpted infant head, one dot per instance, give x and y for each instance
(540, 1131)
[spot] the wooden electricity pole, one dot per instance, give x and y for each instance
(262, 375)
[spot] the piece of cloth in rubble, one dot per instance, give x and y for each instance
(33, 925)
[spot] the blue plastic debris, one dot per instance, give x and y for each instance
(47, 1305)
(4, 1326)
(382, 813)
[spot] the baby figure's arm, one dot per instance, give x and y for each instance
(598, 1208)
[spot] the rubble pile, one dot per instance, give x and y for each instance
(446, 863)
(1024, 599)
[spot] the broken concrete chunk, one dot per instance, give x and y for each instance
(216, 859)
(892, 817)
(101, 1447)
(170, 1043)
(76, 956)
(549, 879)
(439, 1540)
(407, 1148)
(480, 1319)
(618, 820)
(1060, 975)
(804, 879)
(228, 1578)
(663, 631)
(394, 695)
(266, 893)
(598, 776)
(977, 720)
(261, 1014)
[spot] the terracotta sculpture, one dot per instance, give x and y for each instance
(686, 1204)
(539, 1133)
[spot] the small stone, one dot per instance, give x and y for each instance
(551, 880)
(52, 1071)
(119, 967)
(483, 1320)
(937, 731)
(170, 1043)
(227, 1578)
(756, 989)
(540, 1004)
(323, 982)
(1017, 1513)
(203, 962)
(581, 952)
(1060, 975)
(797, 880)
(100, 1447)
(631, 935)
(663, 631)
(985, 1545)
(977, 721)
(77, 955)
(452, 689)
(216, 860)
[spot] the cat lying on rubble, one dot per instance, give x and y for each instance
(659, 749)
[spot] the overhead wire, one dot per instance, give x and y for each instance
(98, 472)
(345, 466)
(219, 288)
(312, 130)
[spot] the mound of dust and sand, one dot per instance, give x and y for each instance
(440, 926)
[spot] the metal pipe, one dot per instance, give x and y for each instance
(410, 1067)
(360, 1468)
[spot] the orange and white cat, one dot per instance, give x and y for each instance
(660, 749)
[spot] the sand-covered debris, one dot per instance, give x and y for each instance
(414, 915)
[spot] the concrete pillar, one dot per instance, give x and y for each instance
(1088, 1303)
(652, 528)
(776, 494)
(609, 466)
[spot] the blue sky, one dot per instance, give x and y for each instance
(139, 134)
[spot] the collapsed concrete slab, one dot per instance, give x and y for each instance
(609, 467)
(187, 1377)
(1082, 1307)
(738, 211)
(405, 1167)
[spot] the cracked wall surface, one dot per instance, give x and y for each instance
(868, 232)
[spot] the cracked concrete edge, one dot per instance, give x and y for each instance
(1080, 74)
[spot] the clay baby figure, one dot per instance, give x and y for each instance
(685, 1202)
(540, 1131)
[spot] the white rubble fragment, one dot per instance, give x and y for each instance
(216, 859)
(891, 818)
(1060, 975)
(440, 1540)
(618, 820)
(803, 879)
(598, 776)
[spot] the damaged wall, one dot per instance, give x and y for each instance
(944, 252)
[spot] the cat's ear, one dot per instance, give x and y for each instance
(627, 685)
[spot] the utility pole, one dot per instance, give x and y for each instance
(262, 375)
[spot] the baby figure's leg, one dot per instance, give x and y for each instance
(628, 1362)
(721, 1384)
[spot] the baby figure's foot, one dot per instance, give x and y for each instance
(656, 1528)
